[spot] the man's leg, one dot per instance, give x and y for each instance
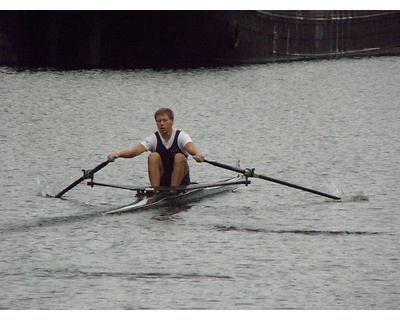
(155, 168)
(181, 169)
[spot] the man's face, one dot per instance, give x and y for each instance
(164, 123)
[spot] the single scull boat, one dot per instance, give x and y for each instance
(148, 197)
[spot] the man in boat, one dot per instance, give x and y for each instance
(169, 147)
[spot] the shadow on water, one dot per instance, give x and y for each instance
(167, 213)
(68, 273)
(49, 222)
(302, 232)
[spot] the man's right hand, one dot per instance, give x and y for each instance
(112, 157)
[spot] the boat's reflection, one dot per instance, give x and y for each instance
(171, 212)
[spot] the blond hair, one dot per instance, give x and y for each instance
(166, 111)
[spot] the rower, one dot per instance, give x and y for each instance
(169, 149)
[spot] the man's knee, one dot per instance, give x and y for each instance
(154, 157)
(180, 163)
(180, 159)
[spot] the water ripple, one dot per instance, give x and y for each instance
(304, 232)
(67, 273)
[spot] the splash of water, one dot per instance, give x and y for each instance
(345, 196)
(41, 190)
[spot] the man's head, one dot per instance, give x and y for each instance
(165, 119)
(164, 111)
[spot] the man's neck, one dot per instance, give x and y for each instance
(166, 136)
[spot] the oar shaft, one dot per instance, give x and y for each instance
(86, 175)
(99, 167)
(251, 173)
(292, 185)
(72, 185)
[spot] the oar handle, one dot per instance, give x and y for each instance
(224, 166)
(246, 172)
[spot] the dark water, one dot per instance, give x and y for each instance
(329, 125)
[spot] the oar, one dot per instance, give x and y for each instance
(250, 173)
(87, 174)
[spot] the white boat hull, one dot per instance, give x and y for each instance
(156, 200)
